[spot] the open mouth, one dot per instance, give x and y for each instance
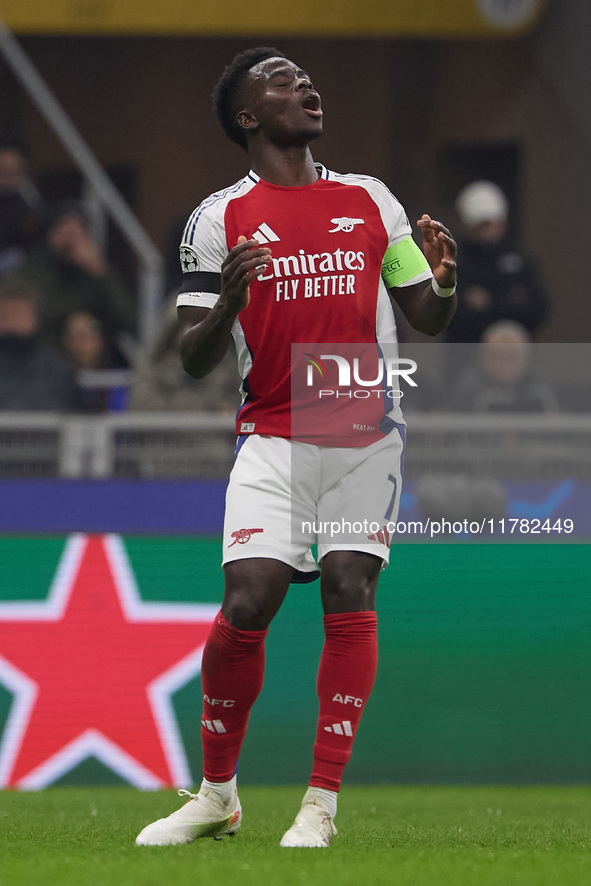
(311, 105)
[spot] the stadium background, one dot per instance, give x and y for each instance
(485, 664)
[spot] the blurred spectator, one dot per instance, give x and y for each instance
(497, 280)
(20, 205)
(73, 276)
(88, 350)
(86, 346)
(502, 379)
(161, 383)
(32, 374)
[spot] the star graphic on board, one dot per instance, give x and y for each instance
(92, 669)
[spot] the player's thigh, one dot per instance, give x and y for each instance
(358, 510)
(259, 516)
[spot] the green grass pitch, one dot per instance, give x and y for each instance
(400, 836)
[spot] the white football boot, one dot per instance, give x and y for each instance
(203, 815)
(312, 829)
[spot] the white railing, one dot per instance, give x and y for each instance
(174, 445)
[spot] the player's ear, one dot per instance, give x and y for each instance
(246, 120)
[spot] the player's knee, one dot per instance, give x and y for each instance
(254, 591)
(349, 583)
(348, 594)
(349, 601)
(247, 612)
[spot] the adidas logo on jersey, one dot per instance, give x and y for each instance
(214, 726)
(343, 728)
(265, 234)
(383, 536)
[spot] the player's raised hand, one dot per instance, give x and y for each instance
(440, 250)
(242, 265)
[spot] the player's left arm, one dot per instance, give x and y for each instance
(429, 307)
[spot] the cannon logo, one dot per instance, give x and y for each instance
(345, 224)
(242, 536)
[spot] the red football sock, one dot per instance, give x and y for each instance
(345, 679)
(232, 676)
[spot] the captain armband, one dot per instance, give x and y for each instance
(402, 262)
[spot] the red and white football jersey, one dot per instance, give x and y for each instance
(323, 286)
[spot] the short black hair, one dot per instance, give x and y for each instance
(226, 90)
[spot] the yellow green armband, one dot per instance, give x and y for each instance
(402, 262)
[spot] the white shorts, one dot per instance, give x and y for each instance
(285, 496)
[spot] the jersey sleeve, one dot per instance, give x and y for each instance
(202, 250)
(404, 263)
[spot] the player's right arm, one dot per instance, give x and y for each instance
(205, 333)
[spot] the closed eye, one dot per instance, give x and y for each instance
(282, 76)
